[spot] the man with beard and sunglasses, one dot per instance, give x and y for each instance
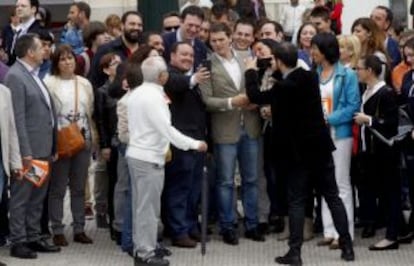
(123, 46)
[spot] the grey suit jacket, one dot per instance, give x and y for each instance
(226, 123)
(9, 141)
(33, 115)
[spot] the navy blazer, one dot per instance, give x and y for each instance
(188, 112)
(200, 49)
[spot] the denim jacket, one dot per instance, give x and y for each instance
(73, 37)
(346, 100)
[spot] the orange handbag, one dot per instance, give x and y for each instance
(70, 140)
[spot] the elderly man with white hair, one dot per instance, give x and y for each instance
(150, 135)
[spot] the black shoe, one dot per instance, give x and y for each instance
(130, 252)
(42, 246)
(277, 223)
(152, 261)
(406, 239)
(347, 253)
(195, 235)
(3, 264)
(162, 251)
(368, 231)
(392, 246)
(21, 251)
(116, 236)
(46, 234)
(101, 221)
(263, 228)
(289, 258)
(254, 235)
(230, 237)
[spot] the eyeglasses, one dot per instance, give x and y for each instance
(172, 28)
(360, 68)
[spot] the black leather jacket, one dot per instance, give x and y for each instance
(105, 116)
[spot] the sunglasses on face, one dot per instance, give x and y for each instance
(172, 28)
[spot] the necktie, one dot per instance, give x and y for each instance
(15, 37)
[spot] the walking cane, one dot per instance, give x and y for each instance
(204, 204)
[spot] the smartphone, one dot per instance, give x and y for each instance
(207, 64)
(263, 63)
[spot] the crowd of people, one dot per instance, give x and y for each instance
(311, 117)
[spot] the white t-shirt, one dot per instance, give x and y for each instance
(66, 95)
(327, 98)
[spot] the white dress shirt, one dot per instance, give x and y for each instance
(233, 69)
(291, 18)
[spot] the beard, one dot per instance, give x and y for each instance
(132, 36)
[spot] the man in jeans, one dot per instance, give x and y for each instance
(150, 132)
(235, 129)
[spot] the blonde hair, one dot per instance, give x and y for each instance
(353, 45)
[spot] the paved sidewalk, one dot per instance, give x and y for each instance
(104, 252)
(247, 253)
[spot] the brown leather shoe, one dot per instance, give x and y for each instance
(196, 236)
(60, 240)
(325, 242)
(82, 238)
(334, 245)
(184, 242)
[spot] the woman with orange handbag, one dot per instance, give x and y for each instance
(73, 98)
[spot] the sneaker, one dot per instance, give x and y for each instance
(152, 261)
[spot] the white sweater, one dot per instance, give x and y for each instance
(149, 123)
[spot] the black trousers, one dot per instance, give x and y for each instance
(321, 174)
(112, 169)
(409, 160)
(380, 191)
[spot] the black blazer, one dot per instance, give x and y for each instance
(188, 112)
(105, 116)
(383, 108)
(300, 134)
(36, 27)
(200, 49)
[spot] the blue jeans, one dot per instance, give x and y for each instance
(127, 244)
(126, 239)
(246, 152)
(182, 191)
